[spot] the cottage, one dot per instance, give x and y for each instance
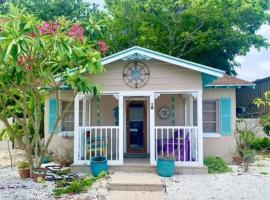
(151, 104)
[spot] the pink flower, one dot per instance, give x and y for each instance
(49, 28)
(28, 68)
(76, 32)
(103, 47)
(21, 60)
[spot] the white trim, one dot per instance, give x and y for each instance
(76, 125)
(152, 128)
(200, 127)
(211, 135)
(164, 58)
(121, 128)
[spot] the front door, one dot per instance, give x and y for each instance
(136, 124)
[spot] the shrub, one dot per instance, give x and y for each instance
(265, 122)
(216, 165)
(261, 144)
(76, 186)
(23, 165)
(63, 156)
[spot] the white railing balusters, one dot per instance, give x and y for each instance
(96, 140)
(180, 144)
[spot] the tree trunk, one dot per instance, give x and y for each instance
(10, 155)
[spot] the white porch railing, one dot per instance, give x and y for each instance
(181, 142)
(98, 141)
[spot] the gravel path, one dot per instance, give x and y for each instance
(223, 186)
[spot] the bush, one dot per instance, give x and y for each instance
(216, 165)
(265, 122)
(76, 186)
(261, 144)
(22, 165)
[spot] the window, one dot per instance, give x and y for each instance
(68, 120)
(210, 116)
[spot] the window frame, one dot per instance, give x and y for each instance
(67, 133)
(217, 122)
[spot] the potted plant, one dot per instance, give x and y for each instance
(237, 159)
(98, 164)
(166, 165)
(39, 174)
(24, 169)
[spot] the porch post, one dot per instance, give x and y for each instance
(190, 98)
(200, 127)
(152, 129)
(76, 131)
(121, 125)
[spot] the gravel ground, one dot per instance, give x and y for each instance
(14, 188)
(254, 185)
(236, 185)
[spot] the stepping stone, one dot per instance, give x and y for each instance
(135, 195)
(121, 181)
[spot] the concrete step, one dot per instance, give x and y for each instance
(121, 181)
(134, 195)
(142, 168)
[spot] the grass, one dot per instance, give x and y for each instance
(263, 173)
(76, 186)
(216, 165)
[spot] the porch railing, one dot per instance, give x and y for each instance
(180, 142)
(99, 141)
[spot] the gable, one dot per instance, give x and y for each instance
(163, 76)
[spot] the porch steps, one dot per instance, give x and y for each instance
(138, 167)
(122, 181)
(135, 195)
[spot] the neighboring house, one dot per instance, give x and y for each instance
(151, 104)
(245, 97)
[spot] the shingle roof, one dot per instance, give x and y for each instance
(227, 80)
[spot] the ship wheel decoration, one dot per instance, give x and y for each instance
(136, 74)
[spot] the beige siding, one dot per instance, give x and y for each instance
(107, 104)
(165, 100)
(223, 146)
(163, 76)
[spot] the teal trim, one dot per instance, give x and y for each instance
(230, 86)
(207, 79)
(155, 55)
(225, 116)
(53, 110)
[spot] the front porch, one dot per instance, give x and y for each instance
(126, 126)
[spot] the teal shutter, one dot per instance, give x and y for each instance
(53, 107)
(225, 116)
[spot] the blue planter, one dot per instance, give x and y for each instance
(165, 167)
(98, 164)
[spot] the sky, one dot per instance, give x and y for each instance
(254, 65)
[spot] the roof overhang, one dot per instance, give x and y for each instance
(143, 53)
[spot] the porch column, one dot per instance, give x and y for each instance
(190, 99)
(121, 129)
(76, 126)
(152, 129)
(200, 127)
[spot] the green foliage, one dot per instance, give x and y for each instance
(35, 60)
(216, 165)
(265, 122)
(261, 144)
(189, 29)
(77, 186)
(89, 16)
(22, 165)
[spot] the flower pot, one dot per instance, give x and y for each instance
(39, 174)
(237, 160)
(98, 164)
(165, 167)
(24, 173)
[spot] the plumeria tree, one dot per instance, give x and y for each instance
(36, 58)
